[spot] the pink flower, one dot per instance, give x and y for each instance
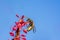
(22, 35)
(25, 31)
(14, 28)
(11, 34)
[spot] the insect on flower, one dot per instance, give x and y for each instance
(18, 27)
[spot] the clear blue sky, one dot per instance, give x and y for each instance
(45, 13)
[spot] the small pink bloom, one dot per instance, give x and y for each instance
(25, 31)
(14, 28)
(11, 34)
(22, 35)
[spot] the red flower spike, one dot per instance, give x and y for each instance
(23, 35)
(25, 31)
(11, 33)
(23, 38)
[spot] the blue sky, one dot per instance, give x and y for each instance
(44, 13)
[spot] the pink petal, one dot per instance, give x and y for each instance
(23, 35)
(11, 34)
(25, 31)
(14, 28)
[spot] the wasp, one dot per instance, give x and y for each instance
(31, 25)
